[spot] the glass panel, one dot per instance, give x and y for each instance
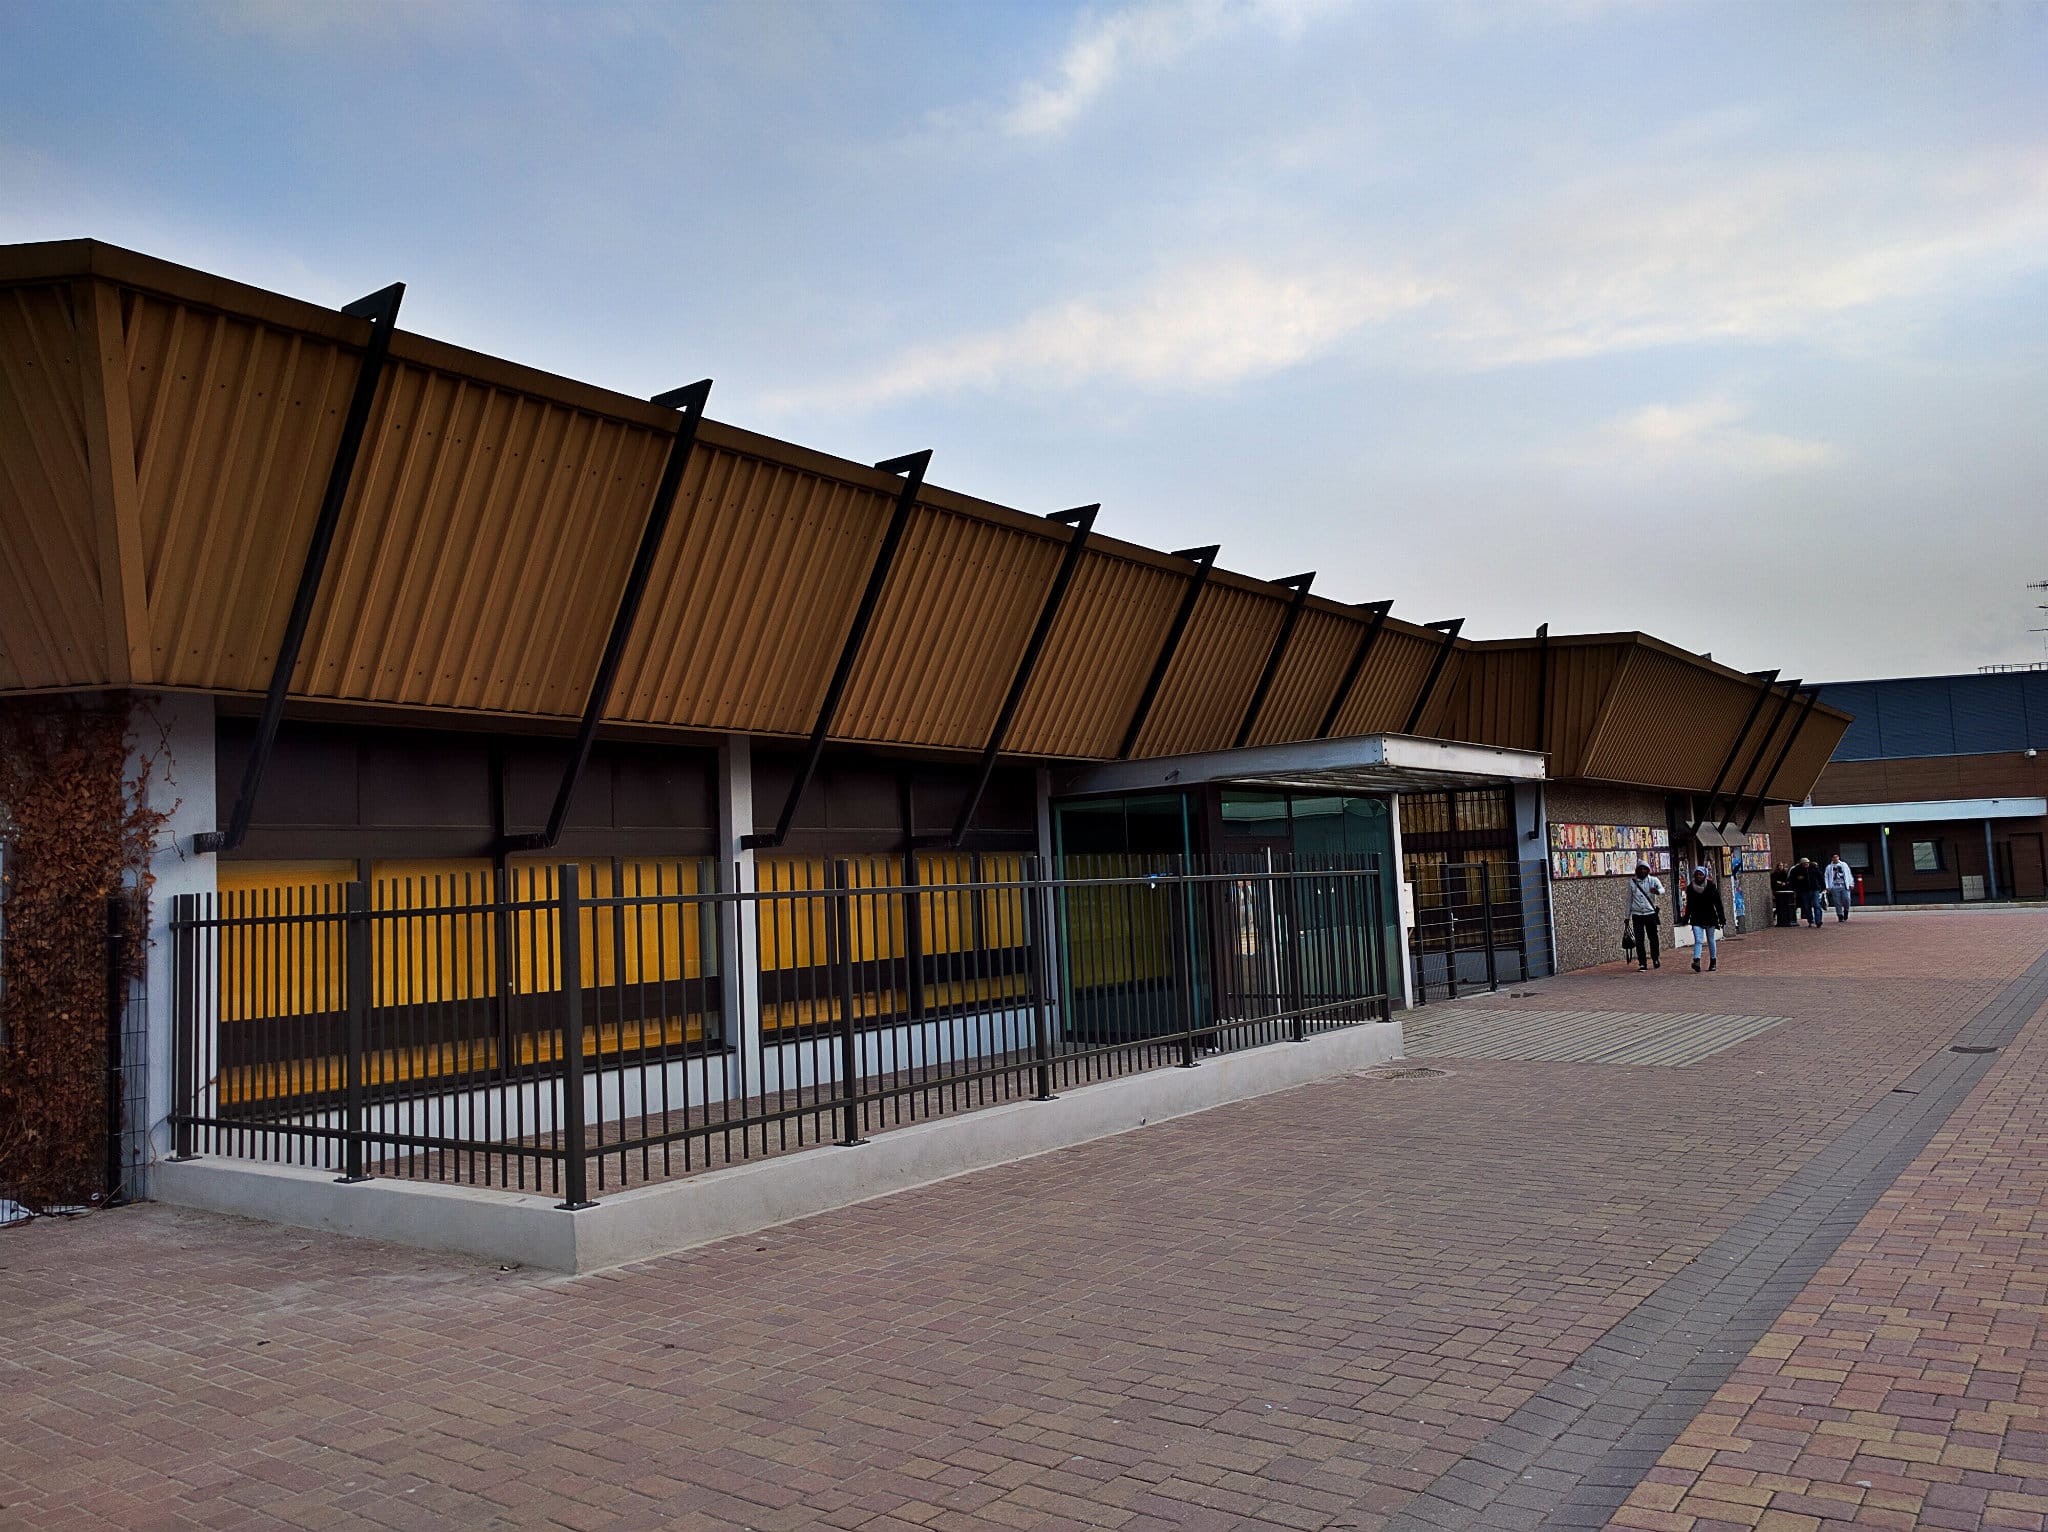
(1246, 813)
(1149, 826)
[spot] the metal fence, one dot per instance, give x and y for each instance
(1478, 925)
(575, 1029)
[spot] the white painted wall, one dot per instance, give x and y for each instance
(174, 734)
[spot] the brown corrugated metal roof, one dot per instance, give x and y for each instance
(53, 626)
(1385, 694)
(1202, 700)
(174, 432)
(1097, 659)
(923, 677)
(1317, 657)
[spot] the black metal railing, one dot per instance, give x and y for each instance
(1478, 925)
(575, 1029)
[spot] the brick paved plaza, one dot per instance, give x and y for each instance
(1795, 1284)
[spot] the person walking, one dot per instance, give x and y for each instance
(1643, 893)
(1841, 885)
(1704, 909)
(1806, 882)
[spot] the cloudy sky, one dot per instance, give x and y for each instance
(1728, 322)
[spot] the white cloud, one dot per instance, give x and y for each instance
(1846, 253)
(1196, 326)
(1106, 47)
(1769, 254)
(1705, 436)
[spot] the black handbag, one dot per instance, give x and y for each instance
(1628, 935)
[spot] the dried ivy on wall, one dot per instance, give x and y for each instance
(78, 834)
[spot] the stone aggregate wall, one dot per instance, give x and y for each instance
(1756, 902)
(1588, 911)
(1588, 915)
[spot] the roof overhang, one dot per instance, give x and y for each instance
(1366, 763)
(1813, 816)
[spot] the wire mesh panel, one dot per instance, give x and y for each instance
(573, 1029)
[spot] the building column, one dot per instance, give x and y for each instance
(1884, 844)
(174, 735)
(1990, 864)
(1041, 793)
(739, 957)
(1404, 905)
(1539, 833)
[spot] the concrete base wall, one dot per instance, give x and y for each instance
(653, 1220)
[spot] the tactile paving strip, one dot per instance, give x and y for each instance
(1580, 1037)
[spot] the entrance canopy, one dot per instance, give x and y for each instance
(1366, 763)
(1930, 812)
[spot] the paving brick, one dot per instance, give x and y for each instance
(1297, 1311)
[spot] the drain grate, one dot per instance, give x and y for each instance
(1971, 1048)
(1403, 1072)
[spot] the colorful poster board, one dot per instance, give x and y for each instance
(1607, 851)
(1754, 853)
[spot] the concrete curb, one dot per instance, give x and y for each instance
(647, 1221)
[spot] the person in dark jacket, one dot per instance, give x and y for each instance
(1807, 884)
(1643, 893)
(1703, 908)
(1783, 900)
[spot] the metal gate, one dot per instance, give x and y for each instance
(1478, 925)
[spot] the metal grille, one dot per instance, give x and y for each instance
(573, 1029)
(1479, 923)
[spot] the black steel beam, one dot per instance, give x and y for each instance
(1204, 561)
(691, 401)
(1543, 688)
(912, 467)
(1769, 678)
(381, 309)
(1770, 777)
(1299, 584)
(1376, 619)
(1449, 628)
(1756, 760)
(1082, 520)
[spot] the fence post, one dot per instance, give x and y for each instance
(849, 1041)
(1450, 943)
(1181, 890)
(356, 942)
(1038, 939)
(1297, 998)
(1486, 897)
(117, 995)
(184, 1023)
(569, 917)
(1378, 951)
